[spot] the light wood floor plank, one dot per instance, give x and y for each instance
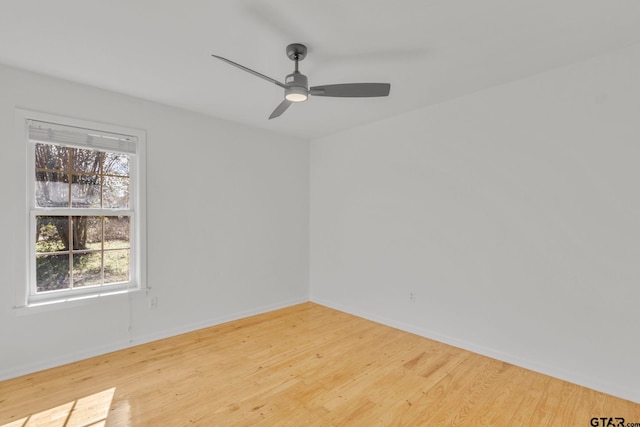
(305, 365)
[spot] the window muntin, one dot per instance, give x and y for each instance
(85, 220)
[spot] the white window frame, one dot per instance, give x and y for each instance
(27, 295)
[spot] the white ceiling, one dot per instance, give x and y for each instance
(429, 50)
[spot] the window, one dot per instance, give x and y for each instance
(86, 194)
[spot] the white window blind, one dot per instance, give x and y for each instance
(53, 133)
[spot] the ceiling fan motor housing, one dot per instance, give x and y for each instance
(297, 87)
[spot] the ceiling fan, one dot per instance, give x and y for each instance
(296, 86)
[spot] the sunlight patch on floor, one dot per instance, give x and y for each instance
(89, 411)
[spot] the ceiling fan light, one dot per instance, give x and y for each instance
(296, 97)
(296, 94)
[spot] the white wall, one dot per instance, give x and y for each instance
(227, 225)
(513, 213)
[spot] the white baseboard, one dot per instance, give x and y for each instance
(143, 339)
(579, 378)
(29, 368)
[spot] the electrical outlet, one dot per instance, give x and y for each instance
(153, 303)
(412, 296)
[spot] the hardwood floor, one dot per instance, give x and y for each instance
(305, 365)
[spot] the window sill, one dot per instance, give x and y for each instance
(77, 301)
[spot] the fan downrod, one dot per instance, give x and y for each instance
(296, 51)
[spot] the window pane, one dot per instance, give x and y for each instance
(116, 232)
(52, 272)
(86, 161)
(115, 192)
(85, 191)
(116, 266)
(52, 157)
(87, 269)
(115, 164)
(52, 189)
(52, 233)
(87, 233)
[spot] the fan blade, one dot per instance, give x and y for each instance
(280, 109)
(249, 70)
(352, 90)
